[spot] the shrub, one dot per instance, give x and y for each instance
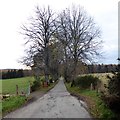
(42, 79)
(36, 84)
(85, 81)
(51, 81)
(112, 98)
(106, 113)
(114, 84)
(113, 102)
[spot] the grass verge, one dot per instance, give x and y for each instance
(12, 103)
(96, 106)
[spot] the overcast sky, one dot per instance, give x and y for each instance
(14, 13)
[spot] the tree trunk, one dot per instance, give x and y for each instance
(47, 64)
(74, 72)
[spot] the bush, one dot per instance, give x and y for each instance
(106, 113)
(51, 81)
(114, 84)
(36, 84)
(112, 98)
(85, 81)
(112, 101)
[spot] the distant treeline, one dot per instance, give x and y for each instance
(15, 73)
(101, 68)
(82, 69)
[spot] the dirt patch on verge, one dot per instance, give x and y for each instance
(90, 103)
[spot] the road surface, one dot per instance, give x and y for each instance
(57, 103)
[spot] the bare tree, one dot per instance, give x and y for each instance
(73, 30)
(38, 34)
(79, 35)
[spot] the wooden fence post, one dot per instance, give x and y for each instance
(16, 89)
(91, 86)
(29, 89)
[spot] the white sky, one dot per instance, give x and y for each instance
(14, 13)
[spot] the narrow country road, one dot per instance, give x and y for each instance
(57, 103)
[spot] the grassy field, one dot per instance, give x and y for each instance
(9, 85)
(103, 76)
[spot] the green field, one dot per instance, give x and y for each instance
(9, 85)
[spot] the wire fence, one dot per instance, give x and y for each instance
(19, 90)
(23, 91)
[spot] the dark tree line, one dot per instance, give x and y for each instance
(102, 68)
(12, 74)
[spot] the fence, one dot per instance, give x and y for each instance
(20, 90)
(23, 91)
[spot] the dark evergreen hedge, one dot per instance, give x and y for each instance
(85, 81)
(13, 74)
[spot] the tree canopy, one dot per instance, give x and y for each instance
(66, 38)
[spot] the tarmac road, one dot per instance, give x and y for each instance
(57, 103)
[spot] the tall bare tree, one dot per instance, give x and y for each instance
(38, 34)
(79, 35)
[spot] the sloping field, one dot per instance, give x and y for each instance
(9, 85)
(102, 77)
